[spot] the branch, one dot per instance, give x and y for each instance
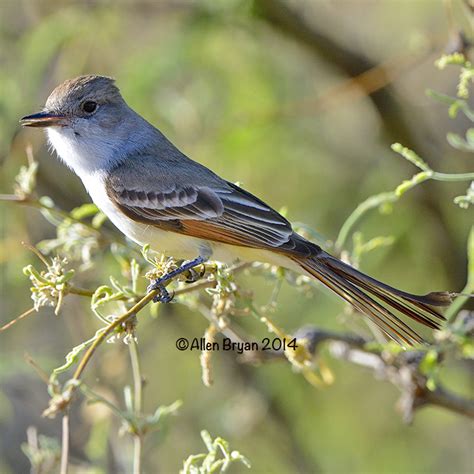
(137, 404)
(402, 370)
(63, 400)
(450, 401)
(65, 445)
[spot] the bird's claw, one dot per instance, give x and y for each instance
(193, 276)
(164, 296)
(155, 285)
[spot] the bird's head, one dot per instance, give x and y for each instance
(88, 123)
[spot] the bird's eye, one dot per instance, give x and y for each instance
(89, 106)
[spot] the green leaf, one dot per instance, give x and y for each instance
(431, 384)
(86, 210)
(467, 200)
(98, 220)
(467, 350)
(411, 156)
(456, 141)
(210, 463)
(408, 184)
(457, 59)
(429, 362)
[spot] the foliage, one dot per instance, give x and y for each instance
(224, 297)
(210, 463)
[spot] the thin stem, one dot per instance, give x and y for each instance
(199, 285)
(94, 397)
(137, 377)
(34, 203)
(36, 252)
(122, 319)
(65, 444)
(19, 318)
(392, 196)
(41, 373)
(359, 211)
(451, 177)
(64, 214)
(138, 404)
(11, 197)
(74, 290)
(443, 398)
(108, 330)
(101, 336)
(137, 453)
(459, 302)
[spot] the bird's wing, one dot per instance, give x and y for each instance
(200, 205)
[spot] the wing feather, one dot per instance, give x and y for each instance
(216, 210)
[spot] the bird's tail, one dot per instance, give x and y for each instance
(376, 299)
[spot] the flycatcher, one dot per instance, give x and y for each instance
(155, 194)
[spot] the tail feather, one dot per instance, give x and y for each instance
(385, 319)
(355, 287)
(399, 305)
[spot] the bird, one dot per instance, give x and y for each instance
(154, 194)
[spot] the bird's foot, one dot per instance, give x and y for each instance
(164, 296)
(192, 275)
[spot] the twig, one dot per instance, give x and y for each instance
(442, 398)
(137, 453)
(402, 371)
(65, 444)
(405, 374)
(61, 402)
(467, 291)
(11, 197)
(200, 285)
(109, 329)
(359, 212)
(41, 373)
(393, 196)
(59, 212)
(137, 404)
(74, 290)
(18, 318)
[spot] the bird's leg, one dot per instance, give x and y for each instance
(164, 296)
(193, 275)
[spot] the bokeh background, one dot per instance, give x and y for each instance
(261, 92)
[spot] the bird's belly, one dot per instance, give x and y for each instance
(170, 243)
(181, 246)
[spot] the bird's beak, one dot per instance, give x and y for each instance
(43, 119)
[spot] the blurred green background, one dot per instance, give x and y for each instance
(259, 91)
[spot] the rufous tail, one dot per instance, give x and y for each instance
(375, 299)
